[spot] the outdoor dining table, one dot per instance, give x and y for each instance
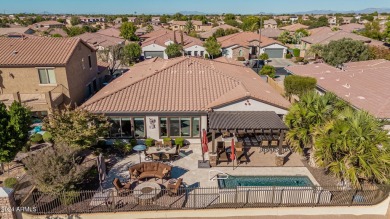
(163, 150)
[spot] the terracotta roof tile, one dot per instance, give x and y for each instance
(244, 39)
(210, 33)
(164, 36)
(294, 27)
(39, 51)
(363, 84)
(184, 84)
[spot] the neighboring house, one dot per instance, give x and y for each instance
(155, 46)
(118, 20)
(155, 21)
(209, 33)
(271, 33)
(294, 27)
(91, 19)
(100, 41)
(59, 31)
(324, 35)
(198, 25)
(352, 27)
(271, 23)
(246, 45)
(112, 32)
(144, 30)
(16, 32)
(346, 20)
(48, 24)
(332, 21)
(46, 73)
(294, 19)
(363, 84)
(174, 98)
(132, 19)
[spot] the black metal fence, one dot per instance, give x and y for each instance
(202, 198)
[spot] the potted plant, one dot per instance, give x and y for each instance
(167, 140)
(149, 142)
(179, 141)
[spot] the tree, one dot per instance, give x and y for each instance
(74, 31)
(125, 19)
(213, 47)
(233, 23)
(372, 30)
(132, 52)
(386, 33)
(264, 56)
(149, 28)
(128, 31)
(229, 17)
(189, 27)
(6, 150)
(74, 20)
(174, 50)
(77, 128)
(55, 169)
(250, 23)
(268, 70)
(112, 55)
(345, 50)
(220, 32)
(298, 85)
(285, 37)
(378, 52)
(354, 148)
(56, 35)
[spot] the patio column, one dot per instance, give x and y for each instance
(281, 139)
(213, 141)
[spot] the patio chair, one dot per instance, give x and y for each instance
(176, 155)
(147, 156)
(168, 143)
(165, 157)
(155, 157)
(220, 146)
(274, 145)
(223, 157)
(174, 189)
(158, 144)
(265, 144)
(240, 153)
(120, 188)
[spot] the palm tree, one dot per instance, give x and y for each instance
(189, 27)
(354, 148)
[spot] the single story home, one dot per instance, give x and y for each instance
(273, 33)
(155, 45)
(294, 27)
(363, 84)
(173, 98)
(246, 45)
(207, 34)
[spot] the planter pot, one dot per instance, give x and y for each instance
(213, 159)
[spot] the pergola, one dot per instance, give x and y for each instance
(246, 122)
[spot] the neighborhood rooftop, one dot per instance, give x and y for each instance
(244, 39)
(363, 84)
(165, 36)
(184, 84)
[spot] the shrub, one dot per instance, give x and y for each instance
(179, 141)
(36, 138)
(206, 56)
(47, 137)
(167, 139)
(69, 198)
(296, 52)
(268, 70)
(240, 58)
(288, 56)
(149, 142)
(264, 56)
(10, 182)
(298, 85)
(299, 59)
(133, 142)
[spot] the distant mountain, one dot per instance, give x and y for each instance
(364, 11)
(191, 13)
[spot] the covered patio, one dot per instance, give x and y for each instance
(258, 136)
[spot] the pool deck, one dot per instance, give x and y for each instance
(187, 168)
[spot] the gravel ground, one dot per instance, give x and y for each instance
(319, 174)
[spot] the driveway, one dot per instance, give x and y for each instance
(280, 62)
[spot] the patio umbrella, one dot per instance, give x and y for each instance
(232, 152)
(139, 148)
(205, 148)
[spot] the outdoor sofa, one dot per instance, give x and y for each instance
(150, 170)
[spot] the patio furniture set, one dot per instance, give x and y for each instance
(148, 191)
(162, 153)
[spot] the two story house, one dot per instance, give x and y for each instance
(47, 73)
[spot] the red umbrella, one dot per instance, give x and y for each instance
(205, 147)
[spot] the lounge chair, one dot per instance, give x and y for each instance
(120, 188)
(174, 189)
(158, 144)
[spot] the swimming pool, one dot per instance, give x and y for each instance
(234, 181)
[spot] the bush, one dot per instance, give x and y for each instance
(298, 85)
(167, 139)
(47, 137)
(133, 142)
(10, 182)
(296, 52)
(268, 70)
(240, 58)
(299, 59)
(288, 56)
(264, 56)
(179, 141)
(149, 142)
(69, 198)
(206, 56)
(36, 138)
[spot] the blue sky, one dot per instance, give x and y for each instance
(171, 6)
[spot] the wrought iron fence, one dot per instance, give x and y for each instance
(202, 198)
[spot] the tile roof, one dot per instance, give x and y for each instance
(143, 30)
(351, 27)
(182, 23)
(13, 30)
(112, 32)
(294, 27)
(39, 51)
(271, 32)
(270, 21)
(185, 84)
(363, 84)
(245, 120)
(96, 39)
(210, 33)
(244, 39)
(168, 35)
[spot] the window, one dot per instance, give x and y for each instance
(139, 128)
(89, 61)
(125, 127)
(47, 76)
(180, 126)
(202, 53)
(189, 53)
(115, 127)
(195, 53)
(94, 83)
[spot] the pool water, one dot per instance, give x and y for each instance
(234, 181)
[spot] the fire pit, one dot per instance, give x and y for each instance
(147, 192)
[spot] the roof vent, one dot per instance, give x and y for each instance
(360, 97)
(14, 52)
(337, 79)
(347, 85)
(322, 78)
(347, 95)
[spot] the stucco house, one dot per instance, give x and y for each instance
(46, 73)
(246, 45)
(271, 23)
(173, 98)
(156, 42)
(198, 25)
